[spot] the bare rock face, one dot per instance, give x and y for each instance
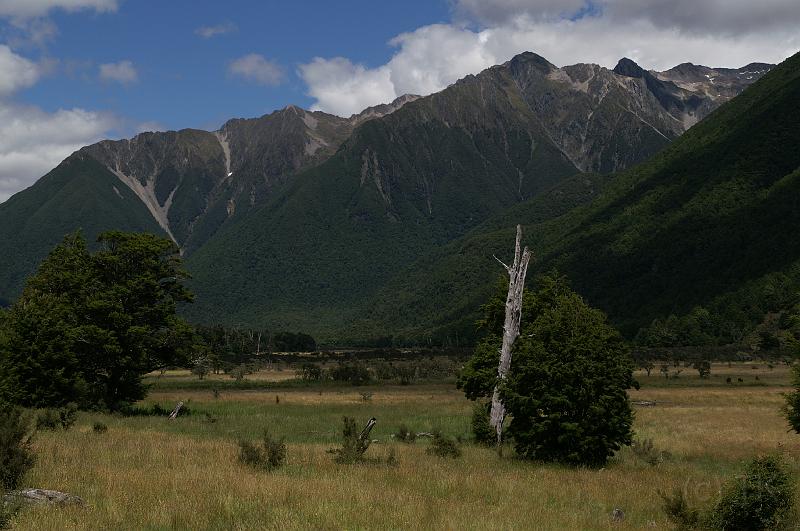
(42, 497)
(194, 181)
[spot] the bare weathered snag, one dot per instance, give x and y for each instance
(174, 414)
(363, 438)
(516, 285)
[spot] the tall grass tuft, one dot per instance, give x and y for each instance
(271, 454)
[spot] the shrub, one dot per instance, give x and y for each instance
(405, 435)
(269, 456)
(679, 512)
(352, 374)
(645, 450)
(391, 458)
(16, 457)
(703, 368)
(53, 419)
(310, 372)
(792, 407)
(566, 392)
(5, 514)
(759, 499)
(47, 420)
(365, 397)
(483, 432)
(99, 427)
(443, 446)
(353, 444)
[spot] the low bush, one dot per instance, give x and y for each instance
(761, 498)
(355, 374)
(443, 446)
(53, 419)
(645, 450)
(353, 444)
(404, 434)
(16, 456)
(482, 430)
(271, 454)
(679, 512)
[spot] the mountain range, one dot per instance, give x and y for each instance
(353, 227)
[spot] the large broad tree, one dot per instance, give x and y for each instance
(566, 390)
(88, 326)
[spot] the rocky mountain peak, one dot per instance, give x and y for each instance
(628, 68)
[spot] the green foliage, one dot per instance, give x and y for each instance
(702, 232)
(680, 512)
(353, 445)
(352, 373)
(759, 499)
(53, 419)
(310, 372)
(566, 391)
(703, 368)
(80, 192)
(88, 325)
(482, 430)
(269, 456)
(443, 446)
(792, 407)
(645, 450)
(16, 456)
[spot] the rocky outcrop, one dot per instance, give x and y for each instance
(41, 497)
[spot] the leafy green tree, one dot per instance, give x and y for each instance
(792, 407)
(88, 325)
(566, 391)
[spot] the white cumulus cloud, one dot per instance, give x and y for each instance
(341, 87)
(658, 34)
(255, 67)
(16, 72)
(40, 8)
(33, 141)
(122, 72)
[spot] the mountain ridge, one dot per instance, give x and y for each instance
(288, 217)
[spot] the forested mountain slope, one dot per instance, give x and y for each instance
(707, 228)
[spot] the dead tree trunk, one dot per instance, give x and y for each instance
(174, 414)
(364, 435)
(516, 285)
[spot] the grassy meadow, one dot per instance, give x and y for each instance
(151, 473)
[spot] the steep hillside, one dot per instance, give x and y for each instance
(710, 221)
(79, 193)
(418, 171)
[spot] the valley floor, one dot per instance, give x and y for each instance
(151, 473)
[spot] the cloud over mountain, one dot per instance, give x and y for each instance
(658, 34)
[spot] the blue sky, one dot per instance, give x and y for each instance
(75, 71)
(183, 78)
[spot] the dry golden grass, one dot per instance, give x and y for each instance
(141, 475)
